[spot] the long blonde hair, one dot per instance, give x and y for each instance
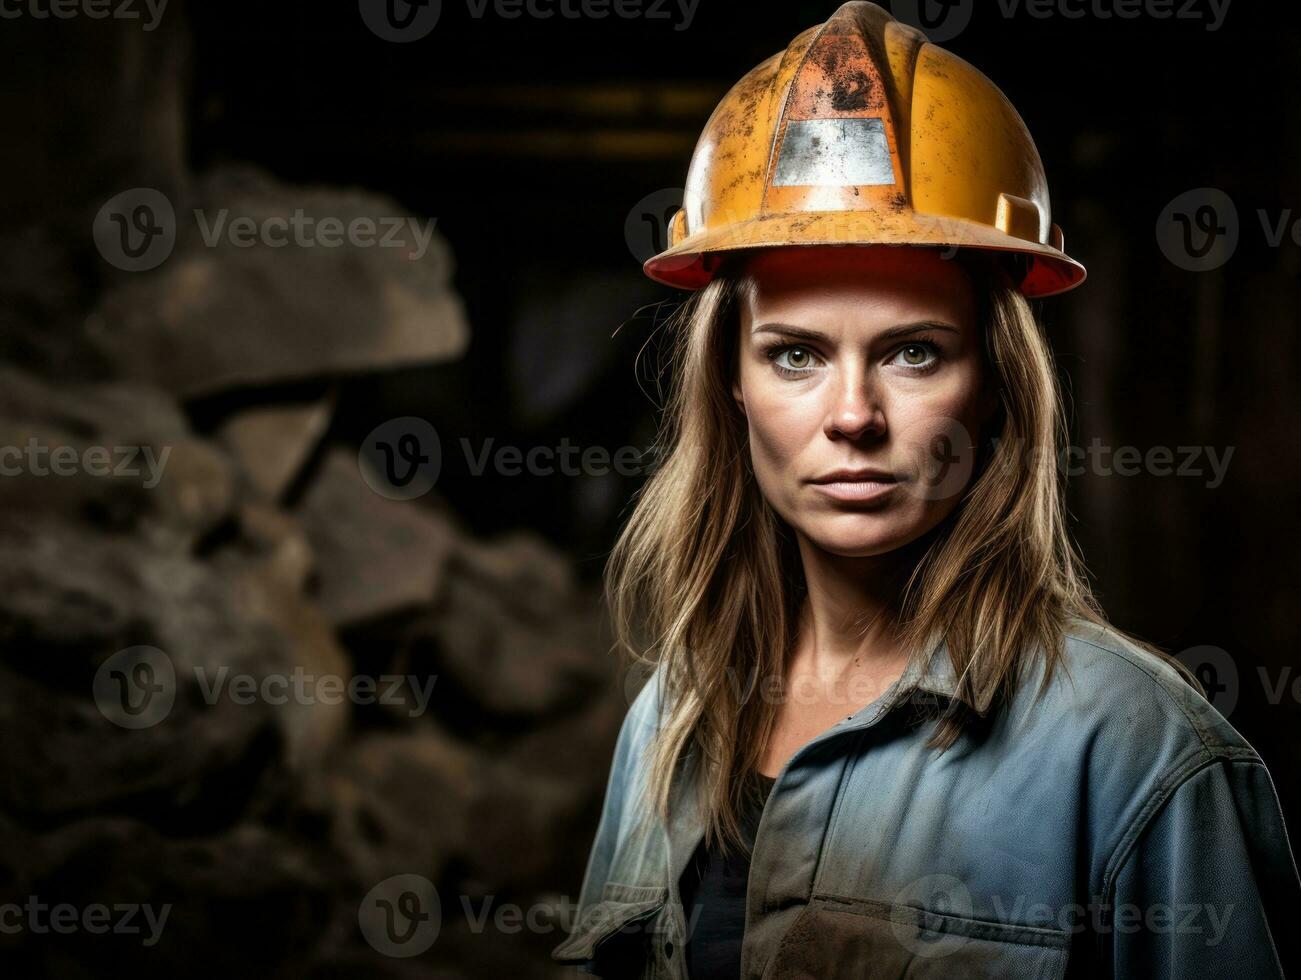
(708, 573)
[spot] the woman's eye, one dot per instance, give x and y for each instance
(795, 359)
(917, 355)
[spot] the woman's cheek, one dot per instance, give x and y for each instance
(934, 406)
(782, 425)
(935, 437)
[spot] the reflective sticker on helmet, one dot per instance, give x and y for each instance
(834, 152)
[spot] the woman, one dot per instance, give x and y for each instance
(889, 732)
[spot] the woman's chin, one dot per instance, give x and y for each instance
(861, 537)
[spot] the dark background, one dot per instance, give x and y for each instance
(535, 144)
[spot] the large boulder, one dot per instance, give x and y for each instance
(219, 313)
(375, 556)
(139, 677)
(512, 637)
(121, 455)
(272, 443)
(251, 900)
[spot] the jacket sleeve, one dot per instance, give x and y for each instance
(1209, 888)
(607, 831)
(623, 781)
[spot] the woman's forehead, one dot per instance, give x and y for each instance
(857, 284)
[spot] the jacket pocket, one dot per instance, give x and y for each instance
(839, 938)
(612, 938)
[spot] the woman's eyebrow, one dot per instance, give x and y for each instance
(921, 326)
(903, 330)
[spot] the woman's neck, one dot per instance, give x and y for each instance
(849, 621)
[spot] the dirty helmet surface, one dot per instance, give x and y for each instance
(862, 132)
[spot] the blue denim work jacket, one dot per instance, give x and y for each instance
(1118, 826)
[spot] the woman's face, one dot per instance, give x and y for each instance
(862, 384)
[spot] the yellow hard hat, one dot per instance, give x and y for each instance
(864, 133)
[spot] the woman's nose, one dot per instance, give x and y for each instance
(857, 410)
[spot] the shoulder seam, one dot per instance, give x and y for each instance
(1193, 723)
(1178, 778)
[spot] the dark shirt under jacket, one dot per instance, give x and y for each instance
(713, 894)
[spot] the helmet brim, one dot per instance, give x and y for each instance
(694, 261)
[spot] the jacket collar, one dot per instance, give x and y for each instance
(924, 678)
(932, 674)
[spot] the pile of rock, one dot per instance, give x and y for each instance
(241, 569)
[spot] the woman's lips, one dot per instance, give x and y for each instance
(857, 490)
